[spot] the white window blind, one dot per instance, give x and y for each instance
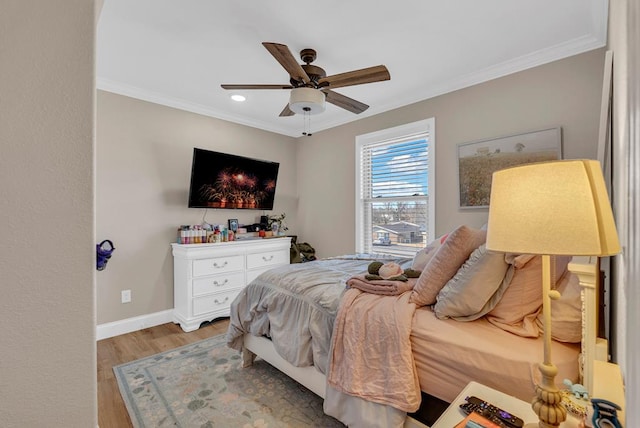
(394, 213)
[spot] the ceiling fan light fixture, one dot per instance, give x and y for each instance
(306, 101)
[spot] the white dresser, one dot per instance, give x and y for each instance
(207, 277)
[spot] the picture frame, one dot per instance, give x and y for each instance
(478, 160)
(233, 224)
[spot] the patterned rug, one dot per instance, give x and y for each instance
(203, 385)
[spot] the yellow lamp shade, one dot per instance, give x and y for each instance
(556, 208)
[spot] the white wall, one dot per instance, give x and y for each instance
(565, 93)
(47, 265)
(144, 154)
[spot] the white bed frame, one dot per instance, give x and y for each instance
(594, 348)
(587, 270)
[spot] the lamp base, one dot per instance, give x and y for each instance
(547, 403)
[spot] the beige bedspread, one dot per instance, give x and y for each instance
(449, 353)
(371, 354)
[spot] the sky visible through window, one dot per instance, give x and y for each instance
(399, 169)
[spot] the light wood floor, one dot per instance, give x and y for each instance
(112, 412)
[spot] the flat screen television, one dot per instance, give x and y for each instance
(222, 180)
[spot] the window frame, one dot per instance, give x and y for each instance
(389, 136)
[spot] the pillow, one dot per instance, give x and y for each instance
(476, 287)
(566, 312)
(445, 263)
(423, 256)
(516, 312)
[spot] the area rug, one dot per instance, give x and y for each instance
(203, 385)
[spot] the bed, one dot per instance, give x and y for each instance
(286, 316)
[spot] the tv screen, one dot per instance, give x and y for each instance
(221, 180)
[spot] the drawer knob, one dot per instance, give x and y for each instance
(218, 302)
(217, 284)
(216, 265)
(267, 259)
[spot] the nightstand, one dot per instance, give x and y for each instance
(454, 414)
(513, 405)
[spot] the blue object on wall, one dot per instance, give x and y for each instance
(104, 251)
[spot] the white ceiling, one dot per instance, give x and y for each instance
(178, 52)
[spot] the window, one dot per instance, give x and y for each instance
(395, 189)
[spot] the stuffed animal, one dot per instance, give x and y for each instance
(390, 271)
(579, 391)
(374, 267)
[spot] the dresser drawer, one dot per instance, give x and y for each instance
(216, 283)
(214, 302)
(254, 273)
(217, 265)
(267, 259)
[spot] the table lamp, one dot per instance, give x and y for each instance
(551, 208)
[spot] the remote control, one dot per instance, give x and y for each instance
(491, 412)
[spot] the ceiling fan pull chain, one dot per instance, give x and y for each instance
(307, 122)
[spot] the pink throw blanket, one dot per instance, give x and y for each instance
(371, 354)
(386, 287)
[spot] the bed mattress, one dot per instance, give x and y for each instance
(448, 354)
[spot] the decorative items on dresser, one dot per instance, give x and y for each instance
(207, 277)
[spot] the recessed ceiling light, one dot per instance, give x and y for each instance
(238, 97)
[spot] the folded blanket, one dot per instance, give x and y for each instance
(385, 287)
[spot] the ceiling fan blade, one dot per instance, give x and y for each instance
(357, 77)
(256, 86)
(286, 59)
(344, 102)
(286, 111)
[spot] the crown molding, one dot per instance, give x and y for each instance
(181, 104)
(534, 59)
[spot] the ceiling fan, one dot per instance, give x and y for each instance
(311, 87)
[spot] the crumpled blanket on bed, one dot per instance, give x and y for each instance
(371, 354)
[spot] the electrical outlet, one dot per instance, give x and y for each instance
(126, 296)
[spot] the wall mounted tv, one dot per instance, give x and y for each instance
(221, 180)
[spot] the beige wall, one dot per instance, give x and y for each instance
(47, 311)
(144, 154)
(144, 159)
(624, 41)
(565, 93)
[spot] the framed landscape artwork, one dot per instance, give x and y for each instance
(477, 160)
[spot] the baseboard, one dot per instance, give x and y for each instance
(116, 328)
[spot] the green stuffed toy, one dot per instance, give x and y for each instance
(374, 267)
(389, 271)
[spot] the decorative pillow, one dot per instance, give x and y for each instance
(516, 312)
(566, 312)
(423, 256)
(476, 287)
(445, 263)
